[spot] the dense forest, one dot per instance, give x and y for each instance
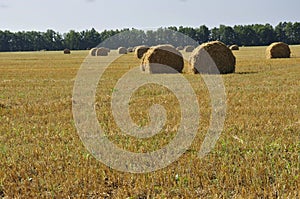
(243, 35)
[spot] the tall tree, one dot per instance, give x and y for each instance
(5, 40)
(90, 38)
(202, 34)
(296, 33)
(265, 34)
(72, 40)
(214, 34)
(227, 34)
(280, 32)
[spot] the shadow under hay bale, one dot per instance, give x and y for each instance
(162, 59)
(140, 51)
(212, 58)
(278, 50)
(234, 47)
(67, 51)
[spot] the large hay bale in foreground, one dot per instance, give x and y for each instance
(122, 50)
(101, 52)
(278, 50)
(189, 48)
(67, 51)
(162, 59)
(212, 58)
(140, 51)
(93, 51)
(234, 47)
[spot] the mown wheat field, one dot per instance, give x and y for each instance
(42, 156)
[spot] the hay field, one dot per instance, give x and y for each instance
(41, 155)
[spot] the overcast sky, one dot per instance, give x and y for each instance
(64, 15)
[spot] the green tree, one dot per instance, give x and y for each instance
(90, 38)
(214, 34)
(5, 40)
(296, 33)
(265, 34)
(72, 40)
(202, 34)
(245, 35)
(280, 32)
(227, 35)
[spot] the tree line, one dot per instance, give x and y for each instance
(242, 35)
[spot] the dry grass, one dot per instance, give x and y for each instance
(41, 155)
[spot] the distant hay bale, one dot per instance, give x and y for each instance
(93, 51)
(67, 51)
(206, 57)
(122, 50)
(162, 59)
(130, 49)
(278, 50)
(102, 52)
(179, 48)
(140, 51)
(189, 48)
(107, 49)
(234, 47)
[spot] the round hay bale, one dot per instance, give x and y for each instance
(130, 49)
(122, 50)
(107, 49)
(67, 51)
(189, 48)
(93, 51)
(206, 57)
(278, 50)
(234, 47)
(140, 51)
(179, 48)
(162, 59)
(134, 48)
(101, 52)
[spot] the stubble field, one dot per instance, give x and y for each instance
(42, 156)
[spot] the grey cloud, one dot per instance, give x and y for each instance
(3, 6)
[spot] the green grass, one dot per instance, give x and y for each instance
(42, 156)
